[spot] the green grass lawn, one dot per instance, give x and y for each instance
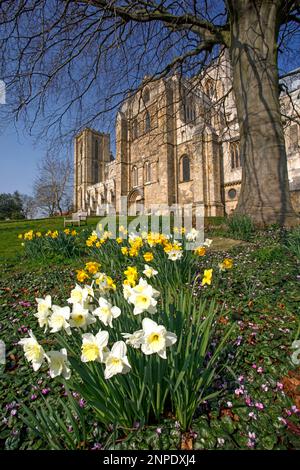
(10, 245)
(259, 401)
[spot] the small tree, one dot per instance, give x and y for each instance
(28, 206)
(52, 185)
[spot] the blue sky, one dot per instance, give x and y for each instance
(19, 153)
(19, 158)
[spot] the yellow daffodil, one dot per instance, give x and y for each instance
(131, 274)
(28, 235)
(131, 271)
(38, 234)
(73, 233)
(92, 267)
(200, 251)
(226, 264)
(133, 252)
(67, 231)
(81, 275)
(119, 240)
(54, 234)
(148, 256)
(168, 247)
(207, 278)
(104, 282)
(20, 236)
(124, 250)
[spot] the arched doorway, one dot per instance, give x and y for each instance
(136, 202)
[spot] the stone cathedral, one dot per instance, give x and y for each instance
(175, 144)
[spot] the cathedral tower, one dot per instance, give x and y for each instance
(91, 154)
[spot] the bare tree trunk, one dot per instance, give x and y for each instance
(265, 195)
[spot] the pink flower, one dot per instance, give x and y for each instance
(248, 401)
(252, 415)
(259, 406)
(97, 446)
(279, 385)
(282, 420)
(254, 366)
(260, 370)
(265, 387)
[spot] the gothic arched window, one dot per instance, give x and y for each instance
(235, 160)
(147, 122)
(135, 129)
(134, 176)
(146, 95)
(147, 172)
(185, 168)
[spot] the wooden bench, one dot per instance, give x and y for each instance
(77, 218)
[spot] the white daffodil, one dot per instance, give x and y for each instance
(149, 271)
(127, 291)
(156, 338)
(59, 319)
(174, 255)
(143, 298)
(81, 295)
(80, 317)
(94, 348)
(106, 312)
(133, 236)
(134, 339)
(34, 352)
(207, 242)
(116, 361)
(58, 364)
(192, 235)
(44, 311)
